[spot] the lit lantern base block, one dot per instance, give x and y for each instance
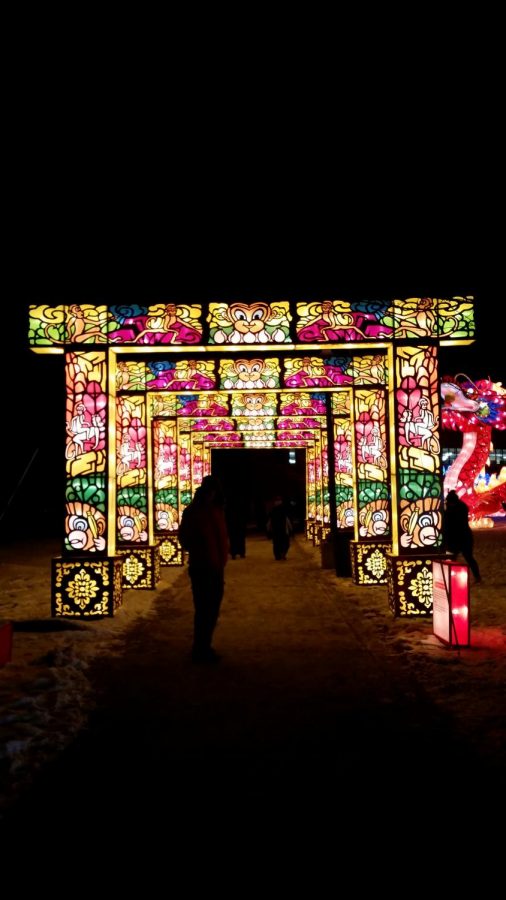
(171, 553)
(410, 584)
(317, 534)
(86, 588)
(452, 620)
(369, 562)
(322, 532)
(309, 529)
(141, 567)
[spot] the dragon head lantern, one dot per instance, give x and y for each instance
(474, 408)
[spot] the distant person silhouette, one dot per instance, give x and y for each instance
(203, 533)
(279, 528)
(457, 532)
(236, 518)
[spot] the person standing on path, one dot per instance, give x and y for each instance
(457, 532)
(203, 533)
(279, 529)
(236, 518)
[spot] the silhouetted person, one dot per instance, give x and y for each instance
(457, 532)
(279, 529)
(203, 533)
(236, 517)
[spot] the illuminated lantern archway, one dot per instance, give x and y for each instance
(151, 390)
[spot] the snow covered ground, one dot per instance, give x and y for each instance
(46, 694)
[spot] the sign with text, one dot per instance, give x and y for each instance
(450, 597)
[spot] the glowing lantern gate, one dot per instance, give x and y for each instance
(451, 606)
(132, 463)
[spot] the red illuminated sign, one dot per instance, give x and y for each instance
(451, 607)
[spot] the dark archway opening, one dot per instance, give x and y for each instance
(252, 478)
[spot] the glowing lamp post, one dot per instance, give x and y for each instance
(451, 608)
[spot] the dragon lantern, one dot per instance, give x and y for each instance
(474, 408)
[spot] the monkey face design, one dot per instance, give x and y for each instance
(132, 524)
(254, 403)
(421, 523)
(249, 318)
(345, 516)
(249, 372)
(374, 519)
(166, 517)
(84, 527)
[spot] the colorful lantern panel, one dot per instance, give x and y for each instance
(212, 424)
(249, 374)
(46, 326)
(249, 323)
(202, 405)
(85, 452)
(131, 471)
(180, 375)
(161, 405)
(374, 518)
(130, 375)
(85, 520)
(418, 461)
(302, 404)
(456, 318)
(165, 475)
(164, 323)
(298, 422)
(370, 369)
(254, 404)
(313, 371)
(340, 320)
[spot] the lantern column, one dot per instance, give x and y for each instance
(131, 484)
(416, 480)
(373, 519)
(86, 579)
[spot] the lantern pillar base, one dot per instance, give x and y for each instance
(85, 587)
(141, 567)
(368, 561)
(409, 581)
(171, 552)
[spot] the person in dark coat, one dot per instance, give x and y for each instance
(457, 532)
(279, 529)
(203, 533)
